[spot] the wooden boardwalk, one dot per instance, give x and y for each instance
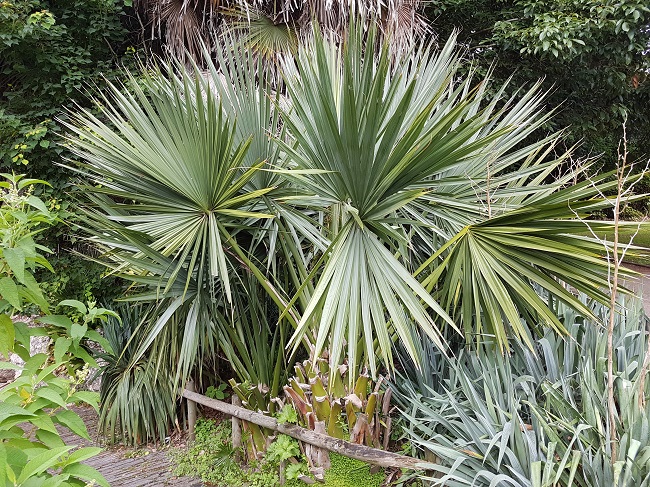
(144, 467)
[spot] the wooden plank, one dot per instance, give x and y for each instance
(358, 452)
(151, 470)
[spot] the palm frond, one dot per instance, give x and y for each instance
(170, 161)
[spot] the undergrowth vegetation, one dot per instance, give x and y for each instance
(536, 417)
(212, 459)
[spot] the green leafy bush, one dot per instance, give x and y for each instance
(39, 398)
(49, 51)
(591, 54)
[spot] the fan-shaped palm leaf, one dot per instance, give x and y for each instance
(392, 150)
(365, 137)
(173, 192)
(171, 166)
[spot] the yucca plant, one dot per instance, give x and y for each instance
(536, 419)
(137, 396)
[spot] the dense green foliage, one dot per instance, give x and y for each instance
(592, 54)
(50, 53)
(211, 458)
(387, 208)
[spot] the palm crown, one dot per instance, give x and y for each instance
(371, 199)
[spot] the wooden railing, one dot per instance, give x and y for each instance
(364, 453)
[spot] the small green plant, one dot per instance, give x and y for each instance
(218, 392)
(283, 448)
(296, 470)
(287, 415)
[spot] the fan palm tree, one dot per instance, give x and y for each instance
(272, 27)
(424, 176)
(371, 200)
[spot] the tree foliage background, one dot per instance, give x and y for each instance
(50, 51)
(593, 56)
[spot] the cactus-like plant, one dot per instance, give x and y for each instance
(326, 403)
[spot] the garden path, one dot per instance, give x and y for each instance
(144, 467)
(642, 285)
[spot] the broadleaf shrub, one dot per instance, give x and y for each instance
(40, 397)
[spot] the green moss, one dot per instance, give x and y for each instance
(346, 472)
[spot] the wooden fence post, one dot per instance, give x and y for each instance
(236, 426)
(191, 412)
